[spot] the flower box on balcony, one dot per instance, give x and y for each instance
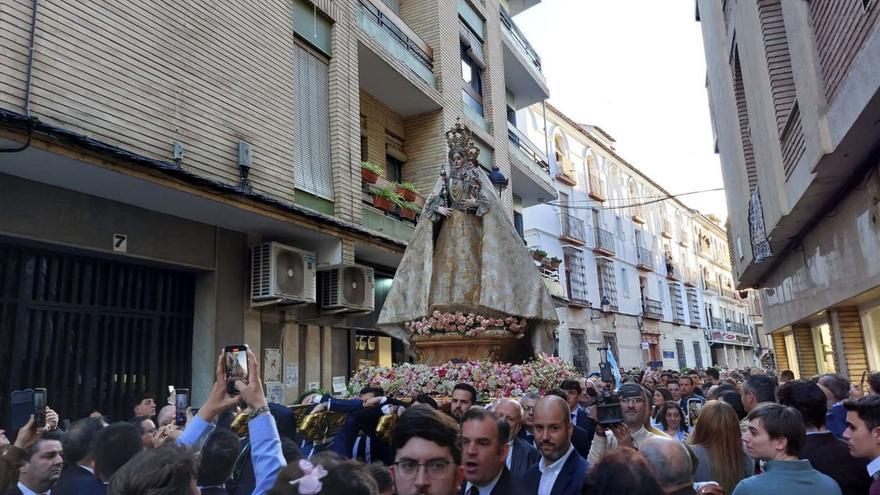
(552, 263)
(370, 172)
(384, 204)
(385, 198)
(407, 191)
(538, 255)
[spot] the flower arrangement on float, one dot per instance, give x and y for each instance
(491, 379)
(466, 324)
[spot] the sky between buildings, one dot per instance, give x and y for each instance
(636, 69)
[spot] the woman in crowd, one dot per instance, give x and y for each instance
(671, 421)
(716, 441)
(661, 396)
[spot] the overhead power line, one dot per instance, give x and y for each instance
(657, 199)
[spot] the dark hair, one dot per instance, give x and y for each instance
(343, 476)
(142, 397)
(782, 422)
(788, 374)
(558, 392)
(874, 382)
(867, 408)
(622, 470)
(137, 420)
(664, 392)
(670, 382)
(762, 387)
(735, 401)
(686, 377)
(661, 415)
(468, 387)
(49, 435)
(165, 470)
(480, 414)
(568, 385)
(218, 457)
(807, 398)
(722, 389)
(837, 384)
(377, 391)
(290, 450)
(80, 438)
(381, 476)
(425, 399)
(421, 421)
(713, 373)
(115, 445)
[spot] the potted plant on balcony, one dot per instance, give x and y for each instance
(408, 210)
(538, 254)
(385, 198)
(370, 172)
(407, 190)
(553, 262)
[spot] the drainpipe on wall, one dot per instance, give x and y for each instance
(27, 84)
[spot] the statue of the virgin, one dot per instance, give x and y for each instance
(465, 255)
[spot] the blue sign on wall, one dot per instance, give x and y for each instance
(668, 355)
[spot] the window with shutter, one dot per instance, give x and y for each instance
(579, 356)
(311, 130)
(607, 282)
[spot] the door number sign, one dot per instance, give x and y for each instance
(120, 243)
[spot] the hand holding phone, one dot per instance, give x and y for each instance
(181, 403)
(40, 407)
(236, 365)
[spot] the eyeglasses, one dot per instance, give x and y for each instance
(632, 400)
(408, 469)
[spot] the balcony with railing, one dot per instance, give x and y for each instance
(645, 259)
(740, 328)
(665, 228)
(652, 308)
(604, 242)
(572, 230)
(673, 271)
(689, 276)
(530, 173)
(522, 65)
(710, 285)
(388, 43)
(551, 280)
(638, 214)
(728, 293)
(717, 324)
(597, 187)
(682, 237)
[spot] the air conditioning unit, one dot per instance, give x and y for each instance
(346, 287)
(281, 274)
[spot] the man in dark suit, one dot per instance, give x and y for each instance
(41, 467)
(863, 434)
(78, 476)
(528, 402)
(218, 457)
(836, 388)
(561, 470)
(521, 454)
(581, 438)
(484, 451)
(827, 454)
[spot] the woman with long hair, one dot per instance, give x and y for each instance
(716, 441)
(671, 421)
(661, 396)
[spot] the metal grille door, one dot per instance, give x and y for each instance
(94, 332)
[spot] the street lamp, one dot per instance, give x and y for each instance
(498, 179)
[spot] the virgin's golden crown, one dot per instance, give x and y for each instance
(460, 139)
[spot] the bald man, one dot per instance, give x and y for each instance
(673, 468)
(520, 454)
(561, 470)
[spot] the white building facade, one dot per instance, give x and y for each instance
(631, 271)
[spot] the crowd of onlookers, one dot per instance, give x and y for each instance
(736, 432)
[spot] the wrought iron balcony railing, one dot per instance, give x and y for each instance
(604, 241)
(652, 308)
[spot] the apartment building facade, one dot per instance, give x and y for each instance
(793, 93)
(148, 151)
(634, 273)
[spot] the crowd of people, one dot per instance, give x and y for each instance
(656, 432)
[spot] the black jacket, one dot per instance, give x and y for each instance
(570, 480)
(830, 456)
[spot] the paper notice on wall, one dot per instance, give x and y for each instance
(338, 384)
(275, 392)
(291, 376)
(272, 371)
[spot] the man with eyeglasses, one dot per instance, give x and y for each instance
(630, 433)
(528, 402)
(427, 453)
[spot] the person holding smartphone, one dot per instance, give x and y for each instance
(265, 442)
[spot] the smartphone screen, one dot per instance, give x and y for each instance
(694, 409)
(235, 357)
(40, 407)
(181, 402)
